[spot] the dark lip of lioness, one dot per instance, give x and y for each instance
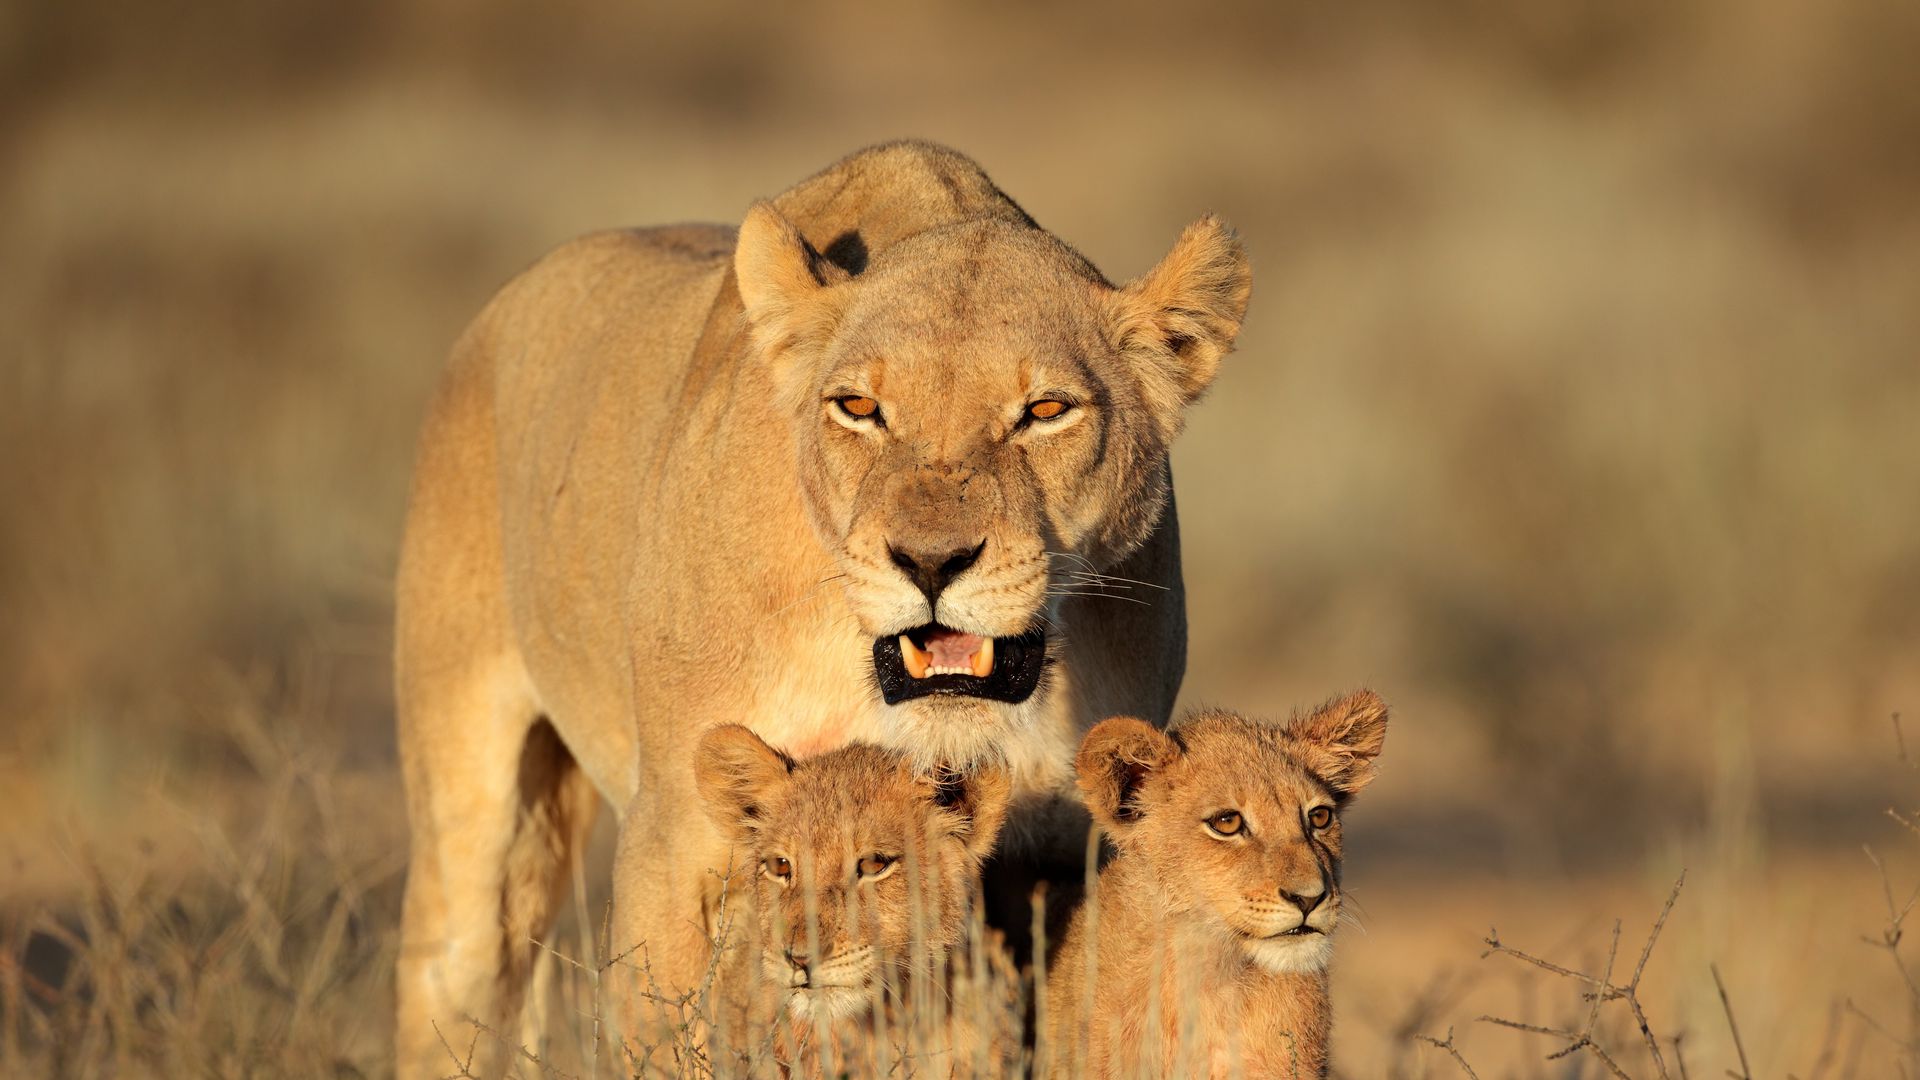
(1302, 930)
(1013, 666)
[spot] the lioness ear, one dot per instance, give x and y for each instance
(736, 774)
(1114, 762)
(783, 282)
(1181, 317)
(1342, 738)
(980, 796)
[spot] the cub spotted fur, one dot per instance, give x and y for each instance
(1205, 946)
(864, 876)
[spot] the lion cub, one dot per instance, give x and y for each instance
(845, 850)
(1204, 946)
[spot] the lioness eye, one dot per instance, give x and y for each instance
(1320, 817)
(875, 865)
(1225, 823)
(778, 868)
(860, 408)
(1047, 409)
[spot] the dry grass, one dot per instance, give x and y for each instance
(271, 951)
(1576, 414)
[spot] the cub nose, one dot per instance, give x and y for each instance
(1306, 904)
(797, 959)
(932, 571)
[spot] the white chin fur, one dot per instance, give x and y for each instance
(1300, 955)
(826, 1004)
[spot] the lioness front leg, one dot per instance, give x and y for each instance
(669, 907)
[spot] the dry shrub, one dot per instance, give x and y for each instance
(261, 946)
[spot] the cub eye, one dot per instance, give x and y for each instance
(1320, 817)
(1225, 823)
(1047, 409)
(777, 868)
(876, 865)
(859, 408)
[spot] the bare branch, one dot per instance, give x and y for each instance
(1602, 990)
(1746, 1072)
(1877, 1027)
(1494, 945)
(1895, 930)
(1452, 1050)
(1535, 1029)
(465, 1067)
(1659, 924)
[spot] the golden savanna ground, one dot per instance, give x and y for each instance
(1577, 413)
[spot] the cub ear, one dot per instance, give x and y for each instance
(1114, 762)
(783, 282)
(736, 773)
(1181, 317)
(980, 797)
(1342, 738)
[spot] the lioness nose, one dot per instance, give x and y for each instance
(797, 959)
(1306, 904)
(932, 571)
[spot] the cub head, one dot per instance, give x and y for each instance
(844, 848)
(1238, 821)
(978, 416)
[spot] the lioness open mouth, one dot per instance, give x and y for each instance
(933, 659)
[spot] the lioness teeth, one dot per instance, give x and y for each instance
(983, 659)
(918, 662)
(947, 653)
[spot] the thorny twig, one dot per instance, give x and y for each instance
(1632, 994)
(466, 1066)
(1745, 1073)
(517, 1047)
(1894, 932)
(1582, 1039)
(1603, 990)
(1451, 1049)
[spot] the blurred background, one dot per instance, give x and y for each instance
(1578, 413)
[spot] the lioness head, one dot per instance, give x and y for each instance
(1239, 820)
(846, 848)
(978, 413)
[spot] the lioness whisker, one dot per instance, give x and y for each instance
(1092, 573)
(1106, 578)
(1106, 595)
(1075, 556)
(811, 592)
(1096, 581)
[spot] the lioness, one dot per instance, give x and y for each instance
(1204, 948)
(862, 872)
(877, 467)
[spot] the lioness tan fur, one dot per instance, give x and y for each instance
(643, 506)
(1204, 948)
(861, 873)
